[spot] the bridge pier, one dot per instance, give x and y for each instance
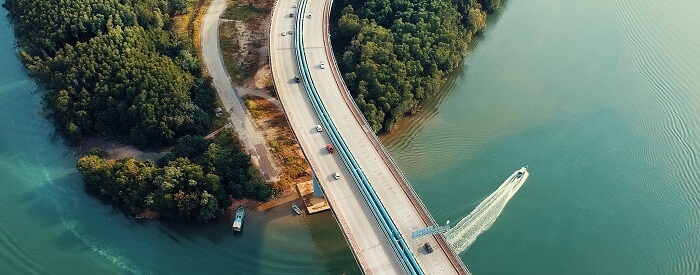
(317, 186)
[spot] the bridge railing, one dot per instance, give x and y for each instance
(337, 216)
(378, 144)
(365, 187)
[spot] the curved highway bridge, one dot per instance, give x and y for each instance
(372, 201)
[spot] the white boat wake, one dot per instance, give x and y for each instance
(465, 232)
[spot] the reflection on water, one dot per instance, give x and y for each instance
(49, 225)
(600, 99)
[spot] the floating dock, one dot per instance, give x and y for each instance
(312, 203)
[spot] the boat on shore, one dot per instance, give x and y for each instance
(296, 209)
(238, 222)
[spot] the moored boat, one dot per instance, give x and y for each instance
(238, 222)
(296, 209)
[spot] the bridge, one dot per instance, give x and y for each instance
(372, 201)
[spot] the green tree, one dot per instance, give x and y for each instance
(394, 54)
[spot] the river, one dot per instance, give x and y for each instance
(599, 97)
(48, 225)
(602, 100)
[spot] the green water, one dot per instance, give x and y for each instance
(599, 97)
(49, 225)
(602, 100)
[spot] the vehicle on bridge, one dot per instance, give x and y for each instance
(336, 175)
(428, 248)
(330, 148)
(319, 128)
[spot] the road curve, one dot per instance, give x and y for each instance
(453, 257)
(371, 249)
(403, 205)
(399, 200)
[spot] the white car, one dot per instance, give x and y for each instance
(336, 175)
(319, 128)
(290, 32)
(323, 66)
(284, 33)
(295, 6)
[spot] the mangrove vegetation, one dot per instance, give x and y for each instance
(118, 69)
(396, 53)
(113, 68)
(194, 181)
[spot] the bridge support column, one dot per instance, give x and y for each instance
(317, 187)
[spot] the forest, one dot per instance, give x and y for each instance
(396, 53)
(112, 68)
(116, 69)
(194, 181)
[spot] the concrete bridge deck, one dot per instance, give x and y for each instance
(370, 244)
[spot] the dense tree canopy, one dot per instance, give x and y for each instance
(397, 52)
(113, 68)
(110, 67)
(194, 183)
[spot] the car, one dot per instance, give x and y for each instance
(323, 66)
(297, 79)
(330, 149)
(308, 16)
(319, 128)
(428, 248)
(336, 175)
(290, 32)
(294, 6)
(284, 33)
(291, 15)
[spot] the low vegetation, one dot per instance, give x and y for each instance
(294, 169)
(245, 11)
(241, 38)
(396, 53)
(194, 181)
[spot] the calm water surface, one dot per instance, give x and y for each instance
(602, 100)
(599, 97)
(49, 225)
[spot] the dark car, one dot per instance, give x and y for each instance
(428, 248)
(297, 79)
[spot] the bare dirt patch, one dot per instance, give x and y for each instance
(244, 37)
(277, 132)
(116, 149)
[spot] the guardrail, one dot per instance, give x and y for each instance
(401, 177)
(337, 216)
(366, 189)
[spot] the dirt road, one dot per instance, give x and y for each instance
(241, 120)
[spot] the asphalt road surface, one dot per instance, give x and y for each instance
(367, 241)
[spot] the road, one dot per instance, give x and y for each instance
(242, 122)
(396, 198)
(371, 249)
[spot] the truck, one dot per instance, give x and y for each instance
(330, 148)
